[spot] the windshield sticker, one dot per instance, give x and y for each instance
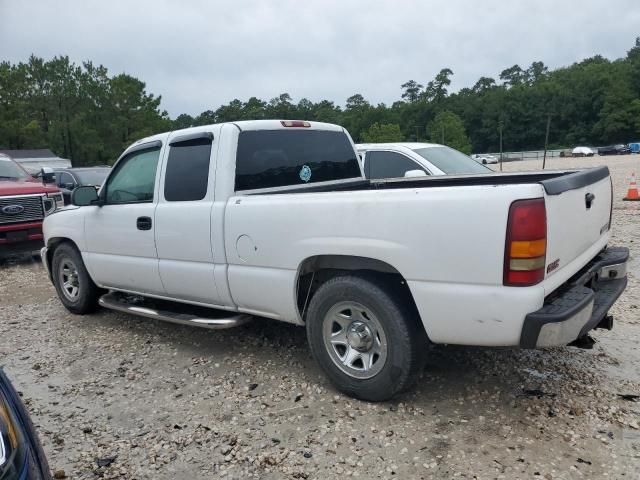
(305, 173)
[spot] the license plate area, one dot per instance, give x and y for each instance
(17, 236)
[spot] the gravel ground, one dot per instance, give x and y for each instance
(115, 396)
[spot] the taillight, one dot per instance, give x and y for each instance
(295, 123)
(526, 243)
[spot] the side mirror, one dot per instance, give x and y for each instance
(415, 173)
(84, 196)
(48, 175)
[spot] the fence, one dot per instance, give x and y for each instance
(530, 155)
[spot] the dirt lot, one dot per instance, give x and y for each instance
(115, 396)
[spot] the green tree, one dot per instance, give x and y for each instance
(447, 128)
(387, 132)
(436, 89)
(411, 91)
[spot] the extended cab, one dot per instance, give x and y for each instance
(212, 225)
(24, 202)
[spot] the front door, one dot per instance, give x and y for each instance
(121, 250)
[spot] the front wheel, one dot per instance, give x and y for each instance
(76, 290)
(366, 337)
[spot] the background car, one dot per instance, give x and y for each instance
(68, 179)
(619, 149)
(484, 158)
(21, 455)
(582, 152)
(408, 159)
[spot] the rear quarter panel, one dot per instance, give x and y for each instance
(444, 236)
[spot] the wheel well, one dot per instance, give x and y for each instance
(51, 246)
(314, 271)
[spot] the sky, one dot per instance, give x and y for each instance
(201, 54)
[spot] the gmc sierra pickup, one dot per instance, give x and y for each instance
(24, 202)
(213, 225)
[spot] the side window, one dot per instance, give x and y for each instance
(187, 173)
(380, 164)
(65, 180)
(134, 178)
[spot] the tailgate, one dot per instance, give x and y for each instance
(578, 214)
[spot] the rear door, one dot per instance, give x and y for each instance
(578, 215)
(121, 250)
(184, 217)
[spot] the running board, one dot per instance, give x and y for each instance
(180, 313)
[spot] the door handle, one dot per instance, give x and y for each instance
(143, 223)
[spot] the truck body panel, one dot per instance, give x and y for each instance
(244, 250)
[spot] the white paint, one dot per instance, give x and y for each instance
(243, 252)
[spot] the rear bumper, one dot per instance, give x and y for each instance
(580, 305)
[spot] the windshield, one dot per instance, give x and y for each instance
(92, 177)
(9, 170)
(450, 161)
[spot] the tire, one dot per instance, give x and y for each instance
(484, 162)
(76, 290)
(392, 341)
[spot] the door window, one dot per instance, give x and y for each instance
(65, 180)
(134, 178)
(187, 173)
(380, 164)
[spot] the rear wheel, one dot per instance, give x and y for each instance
(366, 337)
(76, 290)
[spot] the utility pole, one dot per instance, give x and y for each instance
(500, 125)
(546, 141)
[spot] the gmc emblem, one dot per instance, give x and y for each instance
(12, 209)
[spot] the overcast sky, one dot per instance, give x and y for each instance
(201, 54)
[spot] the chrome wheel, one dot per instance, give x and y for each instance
(355, 340)
(68, 277)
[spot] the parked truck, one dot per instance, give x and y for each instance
(213, 225)
(24, 202)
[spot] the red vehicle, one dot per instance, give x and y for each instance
(24, 202)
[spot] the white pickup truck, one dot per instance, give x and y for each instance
(213, 225)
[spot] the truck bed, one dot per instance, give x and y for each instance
(553, 181)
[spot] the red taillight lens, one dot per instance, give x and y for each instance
(526, 243)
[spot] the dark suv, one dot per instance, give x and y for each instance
(68, 179)
(614, 150)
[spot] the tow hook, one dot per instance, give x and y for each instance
(606, 322)
(585, 342)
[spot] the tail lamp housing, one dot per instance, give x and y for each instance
(526, 243)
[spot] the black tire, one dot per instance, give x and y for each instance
(86, 299)
(405, 338)
(484, 162)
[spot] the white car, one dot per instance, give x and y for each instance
(214, 225)
(582, 152)
(484, 158)
(391, 160)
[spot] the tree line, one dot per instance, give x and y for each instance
(83, 113)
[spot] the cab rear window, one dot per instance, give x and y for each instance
(280, 158)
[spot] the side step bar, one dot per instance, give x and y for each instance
(173, 312)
